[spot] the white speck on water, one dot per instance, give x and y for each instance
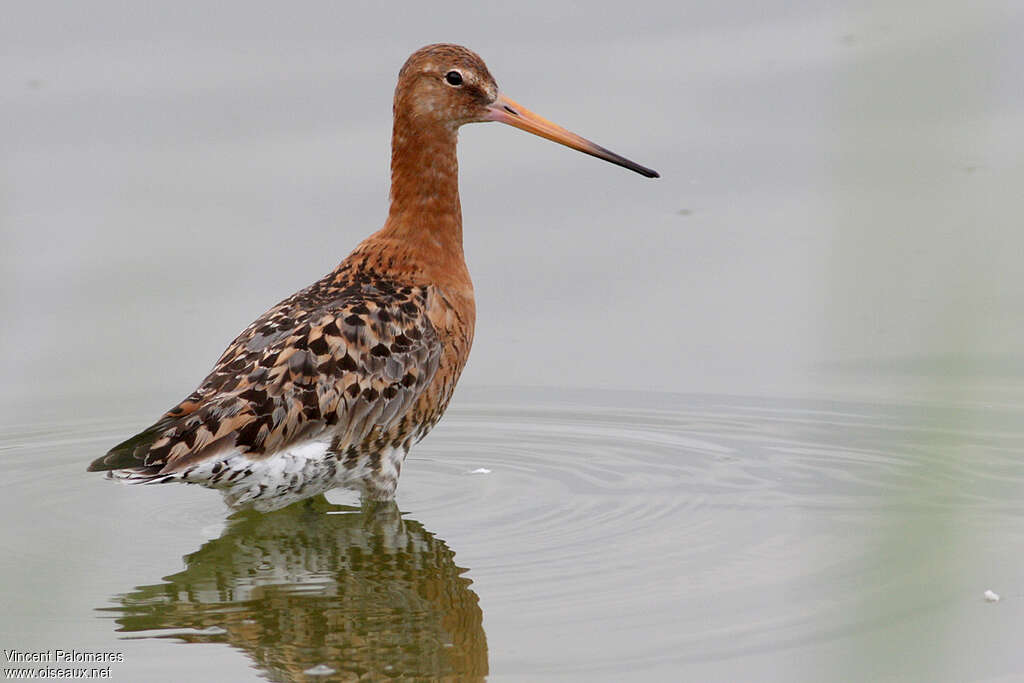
(481, 470)
(319, 670)
(991, 596)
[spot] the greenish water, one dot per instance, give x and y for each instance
(347, 590)
(619, 534)
(800, 456)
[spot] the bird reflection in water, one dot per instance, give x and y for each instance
(344, 592)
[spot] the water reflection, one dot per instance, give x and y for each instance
(362, 592)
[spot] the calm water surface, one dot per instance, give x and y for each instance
(838, 216)
(616, 533)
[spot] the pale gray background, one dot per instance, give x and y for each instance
(839, 216)
(840, 190)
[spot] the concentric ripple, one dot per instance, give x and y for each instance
(605, 535)
(676, 528)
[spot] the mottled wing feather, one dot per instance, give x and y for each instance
(339, 360)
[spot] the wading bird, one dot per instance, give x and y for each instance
(332, 386)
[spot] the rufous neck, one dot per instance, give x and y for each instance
(425, 183)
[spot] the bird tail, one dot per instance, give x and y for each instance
(131, 453)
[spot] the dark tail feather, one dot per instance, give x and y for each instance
(133, 452)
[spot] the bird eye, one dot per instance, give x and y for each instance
(453, 78)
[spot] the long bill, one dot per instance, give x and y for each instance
(507, 111)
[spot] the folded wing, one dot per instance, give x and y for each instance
(345, 364)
